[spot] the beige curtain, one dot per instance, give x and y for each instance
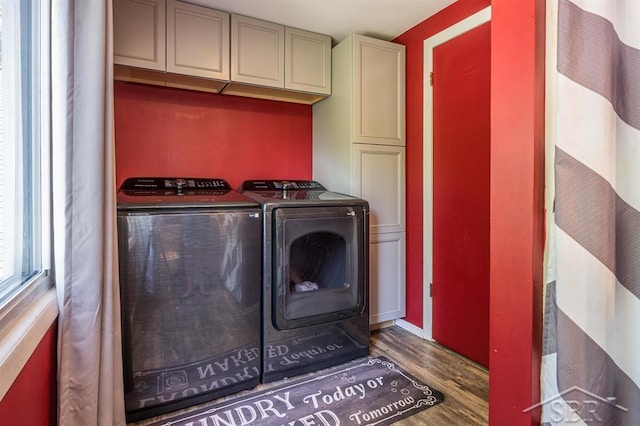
(89, 350)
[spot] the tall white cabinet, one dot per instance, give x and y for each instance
(359, 149)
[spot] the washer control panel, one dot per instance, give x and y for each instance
(174, 185)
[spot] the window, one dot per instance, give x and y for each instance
(24, 151)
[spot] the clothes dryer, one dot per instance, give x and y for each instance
(315, 276)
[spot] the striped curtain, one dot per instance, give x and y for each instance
(591, 360)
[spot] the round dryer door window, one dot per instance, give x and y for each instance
(319, 265)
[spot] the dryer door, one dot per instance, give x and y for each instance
(320, 272)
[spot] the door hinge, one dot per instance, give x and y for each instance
(430, 289)
(431, 78)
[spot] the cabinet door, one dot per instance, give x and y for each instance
(197, 41)
(387, 292)
(307, 61)
(379, 178)
(379, 91)
(257, 52)
(139, 33)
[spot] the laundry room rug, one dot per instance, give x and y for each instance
(369, 391)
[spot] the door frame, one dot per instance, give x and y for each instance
(467, 24)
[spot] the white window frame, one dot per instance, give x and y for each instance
(31, 311)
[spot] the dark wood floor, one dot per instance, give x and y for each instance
(464, 383)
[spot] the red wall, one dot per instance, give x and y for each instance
(171, 132)
(517, 195)
(31, 400)
(413, 39)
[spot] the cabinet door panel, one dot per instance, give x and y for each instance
(379, 97)
(307, 61)
(257, 52)
(387, 293)
(139, 33)
(379, 178)
(197, 41)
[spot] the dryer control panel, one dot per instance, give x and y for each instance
(281, 185)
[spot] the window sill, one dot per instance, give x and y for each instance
(19, 342)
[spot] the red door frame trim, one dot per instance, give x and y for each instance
(517, 209)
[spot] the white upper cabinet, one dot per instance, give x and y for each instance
(379, 93)
(197, 41)
(139, 33)
(179, 44)
(171, 43)
(369, 76)
(257, 52)
(307, 61)
(272, 61)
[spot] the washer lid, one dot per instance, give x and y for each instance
(170, 192)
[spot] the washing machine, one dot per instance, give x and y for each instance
(190, 256)
(315, 276)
